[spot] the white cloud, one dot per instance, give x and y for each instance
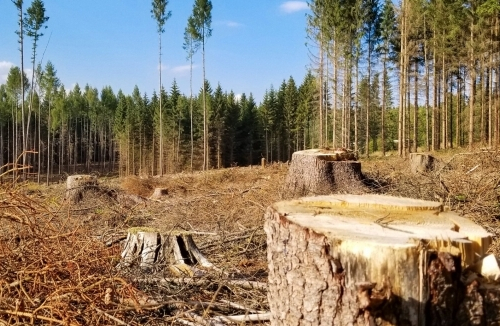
(232, 24)
(289, 7)
(228, 23)
(162, 67)
(237, 97)
(182, 70)
(4, 70)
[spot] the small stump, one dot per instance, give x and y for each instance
(366, 259)
(77, 185)
(148, 248)
(420, 162)
(322, 172)
(159, 193)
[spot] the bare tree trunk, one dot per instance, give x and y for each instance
(472, 75)
(384, 100)
(402, 77)
(321, 90)
(415, 109)
(356, 107)
(335, 94)
(458, 118)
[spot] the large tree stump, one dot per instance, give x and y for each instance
(420, 162)
(77, 185)
(373, 260)
(148, 248)
(322, 172)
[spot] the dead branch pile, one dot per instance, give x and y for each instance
(469, 183)
(59, 259)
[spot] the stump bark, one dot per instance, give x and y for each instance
(420, 162)
(374, 260)
(148, 248)
(159, 193)
(321, 172)
(77, 185)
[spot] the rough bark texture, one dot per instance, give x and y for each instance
(77, 185)
(421, 162)
(148, 248)
(321, 274)
(321, 172)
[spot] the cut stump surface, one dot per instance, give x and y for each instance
(351, 260)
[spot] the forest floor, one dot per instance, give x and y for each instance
(59, 259)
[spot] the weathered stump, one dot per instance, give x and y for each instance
(147, 248)
(373, 260)
(322, 172)
(77, 185)
(420, 162)
(159, 193)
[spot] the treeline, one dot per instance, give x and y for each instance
(438, 61)
(89, 129)
(442, 58)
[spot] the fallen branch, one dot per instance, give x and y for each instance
(244, 284)
(31, 316)
(241, 307)
(242, 318)
(116, 320)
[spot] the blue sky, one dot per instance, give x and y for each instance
(254, 43)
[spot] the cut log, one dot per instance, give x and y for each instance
(77, 185)
(148, 248)
(322, 172)
(372, 260)
(420, 162)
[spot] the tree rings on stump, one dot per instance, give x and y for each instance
(77, 185)
(322, 172)
(370, 260)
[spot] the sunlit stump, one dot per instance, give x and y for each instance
(149, 249)
(322, 172)
(77, 185)
(374, 260)
(420, 162)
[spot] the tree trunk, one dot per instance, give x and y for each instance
(320, 172)
(374, 260)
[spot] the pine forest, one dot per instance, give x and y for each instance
(384, 77)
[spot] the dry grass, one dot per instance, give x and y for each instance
(57, 269)
(467, 182)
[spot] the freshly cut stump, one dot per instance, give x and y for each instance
(322, 172)
(77, 185)
(373, 260)
(148, 248)
(420, 162)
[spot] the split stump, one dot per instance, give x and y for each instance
(374, 260)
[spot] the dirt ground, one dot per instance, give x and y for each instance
(59, 259)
